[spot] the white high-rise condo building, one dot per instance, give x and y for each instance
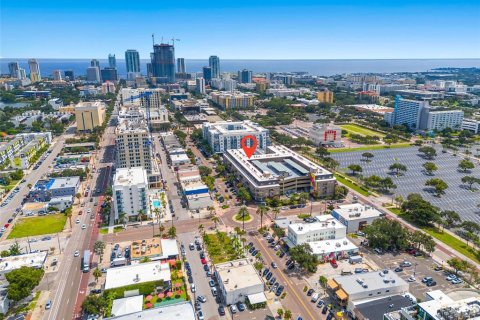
(130, 192)
(34, 70)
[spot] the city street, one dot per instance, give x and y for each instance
(70, 284)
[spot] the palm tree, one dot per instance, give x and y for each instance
(201, 229)
(140, 216)
(172, 232)
(288, 314)
(215, 220)
(97, 274)
(243, 212)
(262, 210)
(121, 218)
(276, 211)
(161, 228)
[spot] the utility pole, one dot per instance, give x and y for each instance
(59, 248)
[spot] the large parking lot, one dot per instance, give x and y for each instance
(457, 196)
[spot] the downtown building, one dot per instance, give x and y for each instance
(89, 115)
(130, 192)
(163, 63)
(214, 64)
(34, 70)
(233, 100)
(225, 135)
(134, 146)
(278, 171)
(132, 61)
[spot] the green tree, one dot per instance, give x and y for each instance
(68, 214)
(322, 152)
(428, 152)
(466, 165)
(22, 281)
(204, 171)
(470, 181)
(244, 195)
(429, 167)
(172, 232)
(420, 211)
(457, 264)
(97, 274)
(276, 211)
(397, 167)
(94, 304)
(5, 253)
(438, 184)
(14, 249)
(215, 220)
(99, 247)
(261, 211)
(288, 314)
(280, 312)
(367, 156)
(386, 233)
(450, 218)
(302, 254)
(399, 200)
(355, 168)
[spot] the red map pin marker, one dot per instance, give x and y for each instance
(249, 150)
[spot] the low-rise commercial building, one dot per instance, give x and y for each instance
(238, 280)
(181, 310)
(154, 249)
(130, 187)
(325, 135)
(352, 290)
(439, 306)
(89, 115)
(137, 273)
(224, 135)
(279, 171)
(30, 260)
(45, 190)
(356, 216)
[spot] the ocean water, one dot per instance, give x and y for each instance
(314, 67)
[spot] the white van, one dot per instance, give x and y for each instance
(315, 297)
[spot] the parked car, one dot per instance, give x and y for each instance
(274, 265)
(240, 306)
(211, 283)
(48, 305)
(310, 292)
(431, 283)
(221, 310)
(398, 269)
(233, 309)
(456, 281)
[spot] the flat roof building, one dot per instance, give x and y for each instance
(354, 289)
(439, 306)
(154, 249)
(127, 305)
(130, 187)
(325, 134)
(471, 125)
(356, 216)
(225, 135)
(238, 280)
(137, 273)
(279, 171)
(181, 310)
(44, 190)
(31, 260)
(89, 115)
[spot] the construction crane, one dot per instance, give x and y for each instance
(173, 41)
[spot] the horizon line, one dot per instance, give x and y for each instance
(256, 59)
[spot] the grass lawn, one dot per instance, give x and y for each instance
(36, 226)
(350, 184)
(361, 130)
(220, 247)
(446, 238)
(367, 148)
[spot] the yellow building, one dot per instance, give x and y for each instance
(70, 109)
(89, 115)
(325, 96)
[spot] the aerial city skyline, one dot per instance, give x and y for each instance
(239, 160)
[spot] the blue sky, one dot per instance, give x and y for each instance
(248, 29)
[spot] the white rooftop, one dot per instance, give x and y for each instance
(138, 273)
(332, 245)
(324, 222)
(357, 211)
(128, 305)
(130, 176)
(35, 260)
(374, 280)
(181, 310)
(441, 304)
(65, 182)
(169, 248)
(238, 274)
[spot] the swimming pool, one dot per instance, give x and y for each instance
(156, 203)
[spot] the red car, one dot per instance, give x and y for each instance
(7, 225)
(334, 263)
(204, 261)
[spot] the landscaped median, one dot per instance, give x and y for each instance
(448, 239)
(351, 184)
(36, 226)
